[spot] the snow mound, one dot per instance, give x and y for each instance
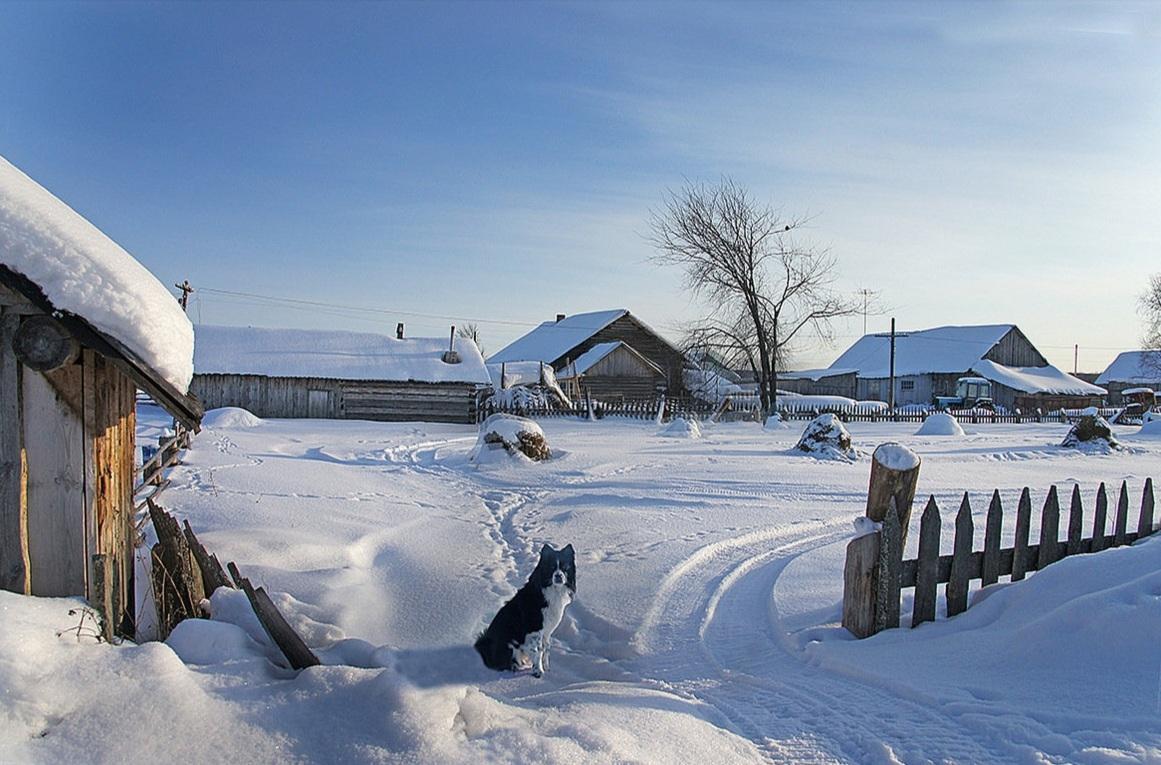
(1149, 429)
(827, 438)
(1091, 433)
(896, 456)
(510, 434)
(775, 422)
(84, 272)
(682, 428)
(940, 424)
(230, 417)
(201, 641)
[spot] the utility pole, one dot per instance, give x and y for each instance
(891, 395)
(866, 295)
(185, 290)
(1075, 356)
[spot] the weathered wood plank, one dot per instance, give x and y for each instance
(889, 569)
(1099, 520)
(859, 585)
(927, 565)
(174, 590)
(54, 449)
(1049, 529)
(957, 585)
(1145, 524)
(1075, 521)
(1122, 520)
(991, 562)
(1020, 554)
(13, 522)
(292, 646)
(213, 576)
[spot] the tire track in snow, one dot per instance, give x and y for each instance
(729, 618)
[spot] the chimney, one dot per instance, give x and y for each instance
(560, 317)
(399, 331)
(451, 356)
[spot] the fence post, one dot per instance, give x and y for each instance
(889, 571)
(1049, 530)
(1119, 537)
(990, 573)
(957, 584)
(927, 566)
(859, 585)
(894, 475)
(1145, 523)
(1098, 520)
(1075, 521)
(1023, 529)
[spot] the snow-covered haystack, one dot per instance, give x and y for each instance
(230, 417)
(511, 434)
(940, 424)
(826, 437)
(775, 422)
(682, 428)
(1091, 433)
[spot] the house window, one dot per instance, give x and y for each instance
(907, 385)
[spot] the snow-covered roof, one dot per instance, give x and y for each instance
(83, 272)
(938, 350)
(815, 375)
(553, 339)
(1133, 367)
(334, 355)
(593, 356)
(1047, 379)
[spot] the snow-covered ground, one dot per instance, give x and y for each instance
(704, 630)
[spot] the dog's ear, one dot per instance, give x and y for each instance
(568, 553)
(547, 550)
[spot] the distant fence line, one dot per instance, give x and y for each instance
(646, 409)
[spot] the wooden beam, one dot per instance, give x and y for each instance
(13, 528)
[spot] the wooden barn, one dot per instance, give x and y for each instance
(298, 373)
(928, 363)
(566, 341)
(1131, 371)
(72, 357)
(612, 371)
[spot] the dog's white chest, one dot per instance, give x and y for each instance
(558, 597)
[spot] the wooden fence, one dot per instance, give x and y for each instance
(646, 409)
(890, 573)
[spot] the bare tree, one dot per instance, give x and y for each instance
(1150, 304)
(471, 332)
(740, 257)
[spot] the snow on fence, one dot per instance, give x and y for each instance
(646, 409)
(876, 572)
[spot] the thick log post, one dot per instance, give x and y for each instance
(859, 585)
(894, 475)
(13, 516)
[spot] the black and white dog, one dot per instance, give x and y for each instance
(519, 636)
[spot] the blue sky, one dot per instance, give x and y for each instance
(974, 163)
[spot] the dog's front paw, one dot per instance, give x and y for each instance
(537, 673)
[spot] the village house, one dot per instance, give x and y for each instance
(610, 355)
(299, 373)
(1131, 371)
(83, 326)
(929, 362)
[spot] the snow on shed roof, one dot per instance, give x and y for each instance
(1133, 367)
(1047, 379)
(553, 339)
(333, 355)
(83, 272)
(595, 355)
(942, 349)
(815, 375)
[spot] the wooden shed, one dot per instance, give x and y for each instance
(569, 338)
(82, 326)
(612, 372)
(299, 373)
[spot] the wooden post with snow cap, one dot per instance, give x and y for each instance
(894, 475)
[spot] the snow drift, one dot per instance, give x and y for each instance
(940, 424)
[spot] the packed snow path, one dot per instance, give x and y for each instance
(708, 586)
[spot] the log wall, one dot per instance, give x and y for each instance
(291, 397)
